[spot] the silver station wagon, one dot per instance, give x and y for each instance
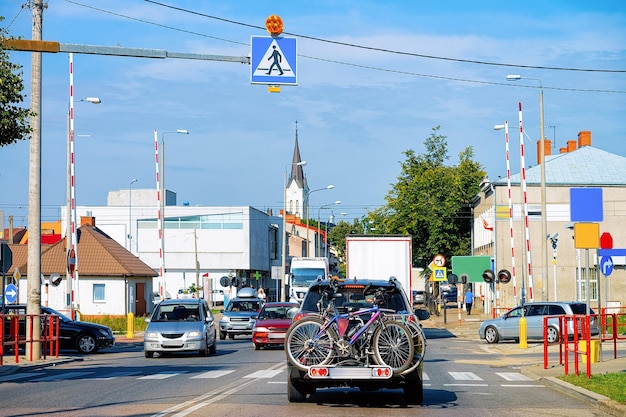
(506, 327)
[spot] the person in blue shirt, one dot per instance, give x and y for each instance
(469, 300)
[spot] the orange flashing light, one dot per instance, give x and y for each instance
(274, 25)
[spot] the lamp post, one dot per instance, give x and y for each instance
(319, 231)
(130, 214)
(71, 227)
(284, 233)
(328, 187)
(542, 161)
(161, 198)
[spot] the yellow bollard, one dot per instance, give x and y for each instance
(523, 335)
(130, 326)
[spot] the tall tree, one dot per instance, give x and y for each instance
(14, 119)
(430, 200)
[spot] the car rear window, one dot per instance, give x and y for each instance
(354, 297)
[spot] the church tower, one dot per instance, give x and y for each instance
(297, 187)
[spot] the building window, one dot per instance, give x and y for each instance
(581, 284)
(98, 293)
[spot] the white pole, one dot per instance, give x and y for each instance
(159, 216)
(525, 206)
(508, 183)
(73, 218)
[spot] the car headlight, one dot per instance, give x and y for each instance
(260, 329)
(224, 319)
(104, 332)
(195, 334)
(151, 335)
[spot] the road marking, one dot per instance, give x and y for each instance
(465, 376)
(264, 373)
(114, 375)
(212, 374)
(513, 376)
(163, 375)
(65, 375)
(522, 385)
(465, 385)
(19, 376)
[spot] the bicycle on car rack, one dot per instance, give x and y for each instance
(334, 337)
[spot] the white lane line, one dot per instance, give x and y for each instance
(163, 375)
(513, 376)
(465, 376)
(64, 375)
(264, 373)
(19, 376)
(212, 374)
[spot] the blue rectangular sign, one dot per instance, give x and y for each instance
(585, 204)
(273, 60)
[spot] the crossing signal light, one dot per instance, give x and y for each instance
(489, 276)
(504, 276)
(464, 278)
(452, 279)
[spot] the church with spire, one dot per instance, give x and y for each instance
(297, 187)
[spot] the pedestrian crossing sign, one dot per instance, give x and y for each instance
(273, 60)
(439, 274)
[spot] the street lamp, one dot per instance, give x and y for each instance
(130, 214)
(328, 187)
(71, 227)
(284, 233)
(542, 160)
(319, 231)
(161, 198)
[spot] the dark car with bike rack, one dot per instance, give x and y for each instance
(356, 333)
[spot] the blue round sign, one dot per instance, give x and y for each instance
(606, 265)
(10, 293)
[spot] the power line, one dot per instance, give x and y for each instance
(390, 51)
(368, 67)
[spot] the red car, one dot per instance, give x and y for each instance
(272, 323)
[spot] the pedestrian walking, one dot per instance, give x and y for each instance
(469, 300)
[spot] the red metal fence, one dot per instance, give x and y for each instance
(17, 334)
(582, 336)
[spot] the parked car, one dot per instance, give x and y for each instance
(183, 325)
(272, 323)
(83, 336)
(353, 295)
(239, 316)
(506, 327)
(419, 297)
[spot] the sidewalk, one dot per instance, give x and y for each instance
(464, 326)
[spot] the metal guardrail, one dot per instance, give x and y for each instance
(575, 337)
(17, 333)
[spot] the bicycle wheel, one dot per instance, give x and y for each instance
(393, 346)
(419, 344)
(305, 346)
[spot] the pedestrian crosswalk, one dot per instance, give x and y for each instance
(271, 375)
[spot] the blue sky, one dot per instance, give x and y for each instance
(357, 109)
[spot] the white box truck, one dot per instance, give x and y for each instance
(380, 257)
(303, 272)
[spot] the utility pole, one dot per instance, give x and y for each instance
(33, 304)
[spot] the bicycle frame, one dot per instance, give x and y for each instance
(342, 321)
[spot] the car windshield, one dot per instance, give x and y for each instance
(238, 305)
(177, 312)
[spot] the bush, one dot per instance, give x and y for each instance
(119, 324)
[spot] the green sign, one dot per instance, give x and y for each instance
(472, 266)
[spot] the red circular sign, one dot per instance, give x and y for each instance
(606, 241)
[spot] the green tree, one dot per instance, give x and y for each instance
(14, 119)
(430, 200)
